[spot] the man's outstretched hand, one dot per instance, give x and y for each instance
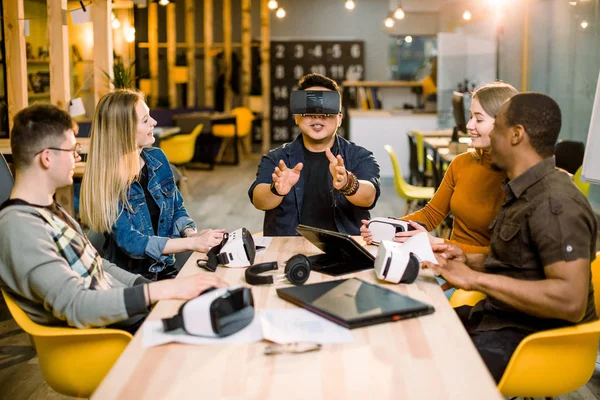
(285, 178)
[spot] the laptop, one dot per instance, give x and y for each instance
(353, 303)
(343, 254)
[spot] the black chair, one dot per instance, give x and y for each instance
(416, 176)
(436, 174)
(6, 180)
(569, 155)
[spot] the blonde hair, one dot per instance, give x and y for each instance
(113, 161)
(491, 96)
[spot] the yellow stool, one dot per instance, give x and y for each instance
(73, 361)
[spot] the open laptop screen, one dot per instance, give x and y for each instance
(343, 254)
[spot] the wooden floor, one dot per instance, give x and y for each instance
(216, 199)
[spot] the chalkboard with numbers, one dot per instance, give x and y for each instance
(291, 60)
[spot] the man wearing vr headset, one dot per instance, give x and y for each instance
(537, 275)
(319, 179)
(46, 263)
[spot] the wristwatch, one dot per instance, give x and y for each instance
(274, 190)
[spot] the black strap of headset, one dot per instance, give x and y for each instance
(170, 324)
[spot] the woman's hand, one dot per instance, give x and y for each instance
(183, 288)
(206, 239)
(366, 232)
(402, 237)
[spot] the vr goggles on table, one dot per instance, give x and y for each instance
(215, 313)
(237, 249)
(315, 102)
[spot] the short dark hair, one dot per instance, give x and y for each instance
(312, 80)
(37, 127)
(540, 115)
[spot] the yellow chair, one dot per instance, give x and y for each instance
(583, 186)
(405, 190)
(180, 148)
(553, 362)
(73, 361)
(227, 132)
(462, 297)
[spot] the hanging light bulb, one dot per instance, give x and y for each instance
(467, 15)
(408, 39)
(116, 24)
(389, 22)
(399, 13)
(130, 35)
(584, 24)
(349, 5)
(163, 2)
(280, 13)
(272, 4)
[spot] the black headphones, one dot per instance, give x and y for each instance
(297, 271)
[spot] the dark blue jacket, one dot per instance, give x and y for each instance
(283, 220)
(132, 244)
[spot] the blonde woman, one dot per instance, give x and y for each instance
(128, 191)
(471, 188)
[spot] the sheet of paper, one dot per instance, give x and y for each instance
(279, 326)
(421, 247)
(262, 243)
(154, 335)
(301, 326)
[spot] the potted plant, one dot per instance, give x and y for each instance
(123, 76)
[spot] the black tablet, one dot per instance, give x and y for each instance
(354, 303)
(343, 254)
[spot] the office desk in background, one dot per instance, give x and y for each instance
(429, 357)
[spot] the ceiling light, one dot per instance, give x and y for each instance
(130, 35)
(116, 23)
(584, 24)
(399, 13)
(349, 5)
(280, 13)
(389, 22)
(272, 4)
(408, 39)
(163, 2)
(573, 3)
(467, 15)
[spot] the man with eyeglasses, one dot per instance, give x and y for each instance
(46, 263)
(319, 179)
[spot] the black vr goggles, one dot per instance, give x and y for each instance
(315, 102)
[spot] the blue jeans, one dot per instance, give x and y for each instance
(448, 292)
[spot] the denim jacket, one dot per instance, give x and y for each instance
(132, 236)
(283, 219)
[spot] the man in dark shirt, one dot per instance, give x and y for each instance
(537, 275)
(319, 179)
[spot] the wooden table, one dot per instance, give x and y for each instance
(429, 357)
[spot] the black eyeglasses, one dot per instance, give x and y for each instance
(75, 150)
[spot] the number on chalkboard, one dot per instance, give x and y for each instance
(279, 72)
(280, 51)
(336, 51)
(298, 51)
(298, 72)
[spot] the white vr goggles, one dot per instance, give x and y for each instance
(386, 228)
(215, 313)
(396, 265)
(236, 250)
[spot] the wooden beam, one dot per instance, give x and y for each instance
(16, 58)
(103, 47)
(190, 38)
(58, 39)
(153, 52)
(227, 53)
(265, 53)
(171, 53)
(209, 88)
(525, 47)
(246, 50)
(161, 45)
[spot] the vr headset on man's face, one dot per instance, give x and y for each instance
(315, 102)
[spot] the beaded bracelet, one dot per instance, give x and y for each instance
(351, 186)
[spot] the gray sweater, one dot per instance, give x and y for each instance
(47, 288)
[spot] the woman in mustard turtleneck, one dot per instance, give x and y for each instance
(471, 188)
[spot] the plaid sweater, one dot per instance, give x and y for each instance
(56, 275)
